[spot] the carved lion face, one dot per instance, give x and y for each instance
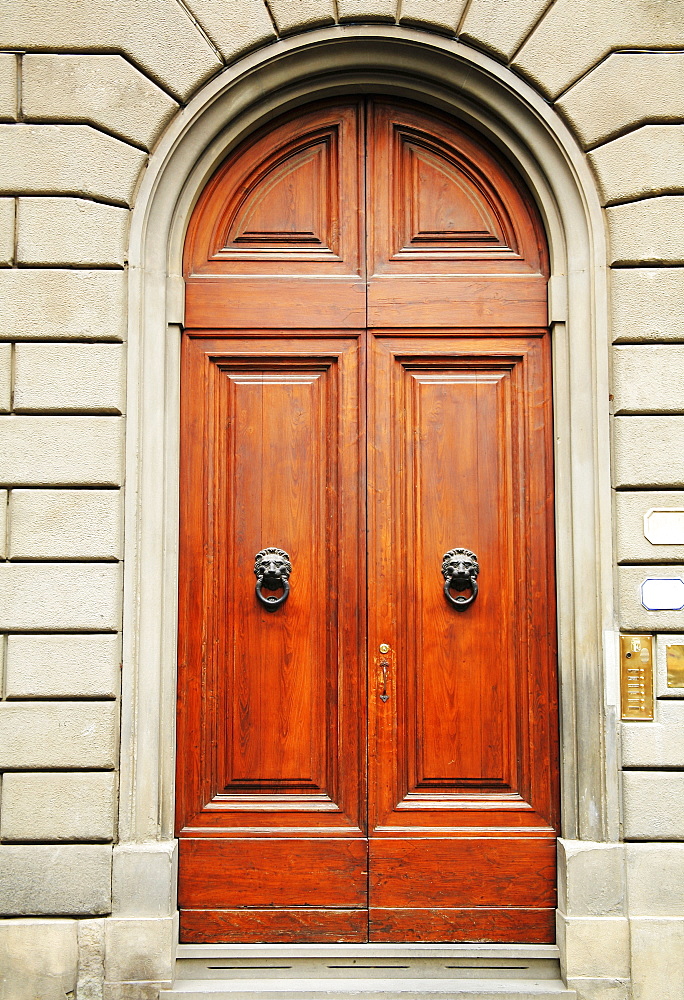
(272, 567)
(460, 566)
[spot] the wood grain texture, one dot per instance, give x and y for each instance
(366, 365)
(273, 872)
(491, 924)
(256, 926)
(497, 870)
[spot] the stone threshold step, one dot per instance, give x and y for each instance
(369, 989)
(370, 950)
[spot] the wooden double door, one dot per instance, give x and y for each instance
(366, 387)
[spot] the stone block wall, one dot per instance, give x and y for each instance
(85, 94)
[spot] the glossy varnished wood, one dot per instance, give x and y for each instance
(366, 364)
(304, 925)
(460, 456)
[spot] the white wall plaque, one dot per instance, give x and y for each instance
(663, 595)
(664, 525)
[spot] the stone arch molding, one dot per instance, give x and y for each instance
(449, 75)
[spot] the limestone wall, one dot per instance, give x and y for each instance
(86, 91)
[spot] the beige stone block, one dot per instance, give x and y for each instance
(140, 949)
(292, 15)
(591, 879)
(655, 744)
(65, 879)
(645, 162)
(651, 231)
(65, 524)
(102, 90)
(600, 989)
(657, 958)
(634, 617)
(144, 879)
(444, 14)
(236, 27)
(58, 735)
(57, 806)
(367, 10)
(648, 451)
(632, 544)
(91, 946)
(8, 86)
(7, 216)
(69, 378)
(133, 991)
(47, 597)
(38, 958)
(594, 946)
(5, 378)
(648, 303)
(575, 34)
(71, 231)
(647, 378)
(3, 524)
(61, 451)
(63, 666)
(626, 89)
(501, 27)
(655, 880)
(68, 159)
(653, 805)
(158, 35)
(39, 304)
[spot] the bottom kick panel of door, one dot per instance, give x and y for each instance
(273, 889)
(506, 925)
(268, 926)
(462, 889)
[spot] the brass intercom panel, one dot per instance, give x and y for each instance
(636, 676)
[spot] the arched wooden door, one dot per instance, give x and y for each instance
(366, 384)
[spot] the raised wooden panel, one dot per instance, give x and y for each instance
(290, 204)
(450, 206)
(461, 458)
(285, 202)
(270, 704)
(442, 202)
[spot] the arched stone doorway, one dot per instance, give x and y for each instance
(448, 76)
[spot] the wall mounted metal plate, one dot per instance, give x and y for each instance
(674, 663)
(664, 594)
(669, 665)
(636, 677)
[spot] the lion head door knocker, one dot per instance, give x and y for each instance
(460, 569)
(272, 568)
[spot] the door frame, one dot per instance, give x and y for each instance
(430, 69)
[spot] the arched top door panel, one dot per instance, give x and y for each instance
(286, 202)
(353, 206)
(443, 201)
